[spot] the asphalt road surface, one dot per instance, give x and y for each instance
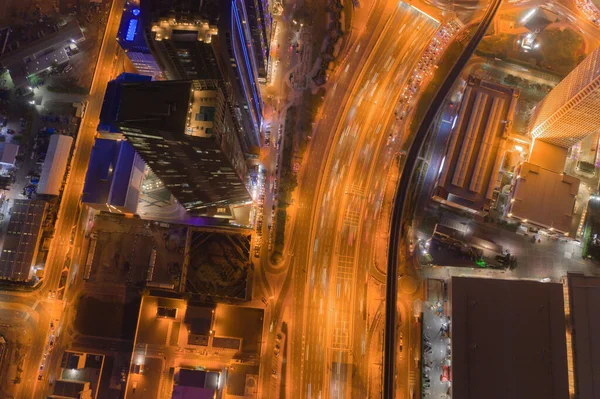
(332, 269)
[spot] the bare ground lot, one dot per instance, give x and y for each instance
(219, 265)
(124, 250)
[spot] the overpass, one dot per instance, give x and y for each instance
(399, 217)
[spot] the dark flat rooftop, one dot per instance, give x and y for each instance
(198, 378)
(158, 106)
(238, 322)
(508, 339)
(584, 295)
(199, 318)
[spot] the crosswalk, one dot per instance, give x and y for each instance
(345, 269)
(341, 334)
(341, 325)
(351, 218)
(412, 378)
(356, 189)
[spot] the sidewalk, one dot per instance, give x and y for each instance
(436, 350)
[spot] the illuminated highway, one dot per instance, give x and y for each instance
(370, 117)
(335, 230)
(347, 204)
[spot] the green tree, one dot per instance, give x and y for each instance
(560, 48)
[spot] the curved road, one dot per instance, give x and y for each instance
(330, 267)
(399, 218)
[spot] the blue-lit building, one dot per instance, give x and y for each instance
(131, 38)
(260, 22)
(114, 177)
(210, 39)
(235, 47)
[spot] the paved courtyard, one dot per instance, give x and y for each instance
(436, 351)
(549, 258)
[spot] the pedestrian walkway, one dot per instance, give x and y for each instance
(436, 351)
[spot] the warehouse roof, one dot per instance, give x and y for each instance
(508, 339)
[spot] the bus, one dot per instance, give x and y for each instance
(90, 257)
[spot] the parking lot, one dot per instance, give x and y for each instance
(436, 351)
(33, 139)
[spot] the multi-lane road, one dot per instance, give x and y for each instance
(334, 237)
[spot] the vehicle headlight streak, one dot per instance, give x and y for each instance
(529, 15)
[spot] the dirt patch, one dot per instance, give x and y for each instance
(219, 265)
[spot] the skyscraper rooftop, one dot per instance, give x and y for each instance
(571, 110)
(186, 134)
(154, 106)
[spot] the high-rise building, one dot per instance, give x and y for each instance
(182, 41)
(185, 133)
(131, 38)
(260, 22)
(112, 97)
(571, 110)
(209, 39)
(238, 59)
